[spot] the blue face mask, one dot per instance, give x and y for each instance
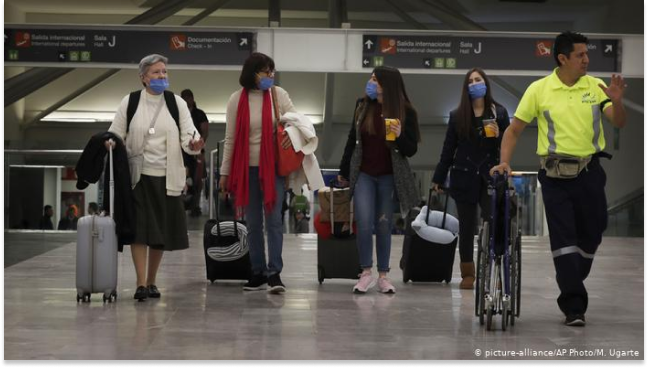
(159, 85)
(266, 83)
(477, 90)
(371, 89)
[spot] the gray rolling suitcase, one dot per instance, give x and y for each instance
(96, 256)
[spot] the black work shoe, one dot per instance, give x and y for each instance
(257, 282)
(575, 320)
(141, 293)
(153, 291)
(275, 284)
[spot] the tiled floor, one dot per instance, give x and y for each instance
(197, 320)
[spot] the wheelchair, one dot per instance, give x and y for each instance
(499, 257)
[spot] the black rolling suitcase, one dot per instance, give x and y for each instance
(337, 255)
(227, 254)
(424, 260)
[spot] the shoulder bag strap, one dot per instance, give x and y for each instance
(275, 105)
(172, 105)
(133, 102)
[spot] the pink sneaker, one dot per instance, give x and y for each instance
(385, 286)
(365, 283)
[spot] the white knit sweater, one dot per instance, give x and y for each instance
(162, 150)
(256, 105)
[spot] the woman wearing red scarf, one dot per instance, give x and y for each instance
(248, 170)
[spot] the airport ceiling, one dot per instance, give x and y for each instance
(592, 15)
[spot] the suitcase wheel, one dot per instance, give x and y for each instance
(320, 275)
(406, 276)
(85, 298)
(110, 298)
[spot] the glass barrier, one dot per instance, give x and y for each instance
(40, 190)
(36, 180)
(627, 219)
(530, 205)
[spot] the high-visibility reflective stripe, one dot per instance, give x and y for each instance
(596, 114)
(551, 132)
(571, 249)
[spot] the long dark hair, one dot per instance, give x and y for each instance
(464, 113)
(395, 101)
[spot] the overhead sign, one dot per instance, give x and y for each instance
(48, 45)
(459, 52)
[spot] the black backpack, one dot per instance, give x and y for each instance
(169, 98)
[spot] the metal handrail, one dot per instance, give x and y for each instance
(627, 200)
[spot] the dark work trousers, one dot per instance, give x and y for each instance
(576, 211)
(468, 224)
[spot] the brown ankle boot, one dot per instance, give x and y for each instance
(467, 275)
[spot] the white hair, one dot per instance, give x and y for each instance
(149, 60)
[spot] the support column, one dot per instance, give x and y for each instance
(274, 13)
(327, 133)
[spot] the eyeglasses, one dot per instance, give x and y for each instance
(269, 73)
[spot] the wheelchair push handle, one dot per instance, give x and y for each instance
(496, 175)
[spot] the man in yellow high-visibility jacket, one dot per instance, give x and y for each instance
(568, 105)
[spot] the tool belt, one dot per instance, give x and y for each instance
(564, 167)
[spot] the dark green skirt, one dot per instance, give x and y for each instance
(161, 221)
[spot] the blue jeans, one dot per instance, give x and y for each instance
(373, 204)
(254, 216)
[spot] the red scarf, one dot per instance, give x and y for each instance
(239, 182)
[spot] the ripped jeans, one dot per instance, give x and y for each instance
(373, 203)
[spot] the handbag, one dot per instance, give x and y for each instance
(288, 160)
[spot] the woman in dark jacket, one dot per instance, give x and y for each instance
(470, 149)
(376, 167)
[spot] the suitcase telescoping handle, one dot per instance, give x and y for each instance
(333, 183)
(213, 185)
(111, 183)
(216, 185)
(445, 207)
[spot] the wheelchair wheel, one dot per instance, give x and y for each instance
(513, 279)
(495, 292)
(513, 299)
(482, 271)
(489, 319)
(486, 276)
(518, 281)
(478, 274)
